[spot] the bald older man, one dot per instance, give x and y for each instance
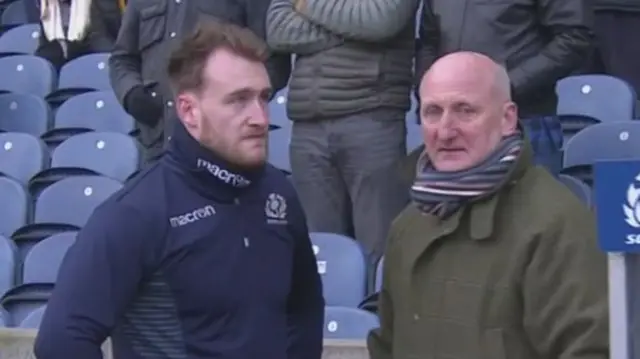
(493, 258)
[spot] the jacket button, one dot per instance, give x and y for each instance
(416, 317)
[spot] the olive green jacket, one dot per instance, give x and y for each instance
(516, 275)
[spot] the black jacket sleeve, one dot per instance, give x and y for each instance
(278, 65)
(125, 62)
(105, 23)
(427, 44)
(570, 24)
(98, 278)
(306, 302)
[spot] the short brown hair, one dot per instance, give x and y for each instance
(188, 60)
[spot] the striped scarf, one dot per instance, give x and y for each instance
(443, 193)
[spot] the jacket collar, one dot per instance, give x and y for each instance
(482, 211)
(207, 171)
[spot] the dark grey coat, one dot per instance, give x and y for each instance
(539, 41)
(152, 28)
(352, 56)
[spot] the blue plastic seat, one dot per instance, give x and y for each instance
(14, 207)
(91, 111)
(84, 74)
(588, 99)
(24, 113)
(27, 74)
(342, 266)
(20, 40)
(603, 141)
(21, 156)
(279, 141)
(65, 206)
(14, 14)
(109, 154)
(8, 265)
(42, 262)
(33, 319)
(278, 110)
(348, 323)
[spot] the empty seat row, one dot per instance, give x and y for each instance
(96, 111)
(36, 76)
(78, 196)
(26, 159)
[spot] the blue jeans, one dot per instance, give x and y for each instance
(545, 135)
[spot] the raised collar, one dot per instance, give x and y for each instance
(209, 172)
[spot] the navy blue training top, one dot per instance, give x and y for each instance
(192, 259)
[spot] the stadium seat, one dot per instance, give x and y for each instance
(378, 280)
(278, 110)
(110, 154)
(21, 156)
(412, 115)
(588, 99)
(279, 141)
(348, 323)
(14, 14)
(7, 264)
(24, 113)
(20, 40)
(342, 266)
(603, 141)
(92, 111)
(42, 262)
(33, 319)
(65, 206)
(27, 74)
(579, 188)
(15, 215)
(414, 136)
(23, 300)
(84, 74)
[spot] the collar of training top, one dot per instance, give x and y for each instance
(206, 165)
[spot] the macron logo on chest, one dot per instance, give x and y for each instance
(223, 175)
(193, 216)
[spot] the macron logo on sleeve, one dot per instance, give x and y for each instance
(223, 175)
(193, 216)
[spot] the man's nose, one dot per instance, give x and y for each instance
(446, 131)
(259, 115)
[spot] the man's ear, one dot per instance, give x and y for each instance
(509, 118)
(188, 110)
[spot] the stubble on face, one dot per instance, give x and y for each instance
(234, 120)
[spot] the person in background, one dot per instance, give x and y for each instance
(106, 16)
(538, 41)
(617, 53)
(205, 254)
(150, 31)
(65, 26)
(348, 97)
(493, 257)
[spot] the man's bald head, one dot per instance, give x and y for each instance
(465, 109)
(479, 69)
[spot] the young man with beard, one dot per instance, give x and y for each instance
(206, 253)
